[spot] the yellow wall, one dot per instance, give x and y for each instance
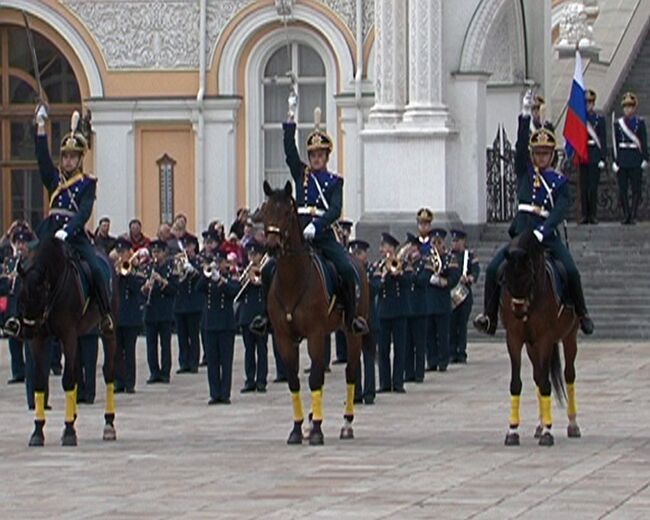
(152, 142)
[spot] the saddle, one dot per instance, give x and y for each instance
(557, 274)
(331, 279)
(82, 275)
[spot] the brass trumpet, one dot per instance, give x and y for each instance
(209, 268)
(126, 267)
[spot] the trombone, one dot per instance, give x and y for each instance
(252, 273)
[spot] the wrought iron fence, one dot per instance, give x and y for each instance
(502, 185)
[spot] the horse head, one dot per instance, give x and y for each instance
(38, 275)
(279, 215)
(522, 272)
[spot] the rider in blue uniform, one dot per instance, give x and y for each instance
(72, 196)
(543, 203)
(319, 198)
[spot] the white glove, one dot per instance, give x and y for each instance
(61, 234)
(215, 275)
(292, 102)
(615, 167)
(644, 165)
(188, 266)
(309, 232)
(538, 235)
(435, 279)
(527, 103)
(601, 165)
(41, 114)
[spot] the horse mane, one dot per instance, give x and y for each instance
(527, 246)
(49, 257)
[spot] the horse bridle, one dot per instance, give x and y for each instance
(526, 301)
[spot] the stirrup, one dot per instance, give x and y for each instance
(359, 326)
(259, 325)
(484, 324)
(12, 327)
(106, 324)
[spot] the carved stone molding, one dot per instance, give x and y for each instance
(152, 34)
(346, 10)
(494, 41)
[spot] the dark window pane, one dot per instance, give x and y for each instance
(59, 83)
(21, 92)
(275, 102)
(311, 96)
(309, 63)
(273, 149)
(278, 64)
(22, 140)
(60, 127)
(26, 196)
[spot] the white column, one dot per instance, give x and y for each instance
(390, 62)
(425, 106)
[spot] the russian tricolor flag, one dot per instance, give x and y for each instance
(575, 124)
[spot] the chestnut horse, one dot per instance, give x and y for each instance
(50, 305)
(532, 316)
(299, 307)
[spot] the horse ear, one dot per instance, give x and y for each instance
(268, 191)
(288, 189)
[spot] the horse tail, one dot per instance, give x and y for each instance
(557, 378)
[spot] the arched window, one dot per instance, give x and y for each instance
(309, 70)
(21, 192)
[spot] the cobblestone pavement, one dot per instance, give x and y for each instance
(435, 452)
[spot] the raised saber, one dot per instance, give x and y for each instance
(32, 50)
(614, 148)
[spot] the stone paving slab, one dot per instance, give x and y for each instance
(435, 452)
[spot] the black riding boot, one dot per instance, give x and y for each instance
(578, 297)
(357, 324)
(487, 321)
(103, 301)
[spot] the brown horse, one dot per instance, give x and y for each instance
(51, 305)
(299, 307)
(532, 316)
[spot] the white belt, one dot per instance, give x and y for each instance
(627, 145)
(532, 208)
(311, 211)
(61, 211)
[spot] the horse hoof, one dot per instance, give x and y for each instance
(546, 439)
(347, 433)
(316, 439)
(538, 431)
(295, 437)
(109, 433)
(573, 431)
(69, 439)
(512, 439)
(36, 441)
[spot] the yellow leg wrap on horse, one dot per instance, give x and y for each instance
(539, 403)
(70, 402)
(571, 408)
(39, 405)
(317, 405)
(514, 410)
(349, 401)
(110, 398)
(296, 402)
(545, 404)
(76, 393)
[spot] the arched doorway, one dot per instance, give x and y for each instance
(21, 192)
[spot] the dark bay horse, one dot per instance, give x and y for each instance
(532, 316)
(299, 307)
(51, 305)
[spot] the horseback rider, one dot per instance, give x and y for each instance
(319, 197)
(543, 203)
(72, 196)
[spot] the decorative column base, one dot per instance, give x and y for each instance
(426, 115)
